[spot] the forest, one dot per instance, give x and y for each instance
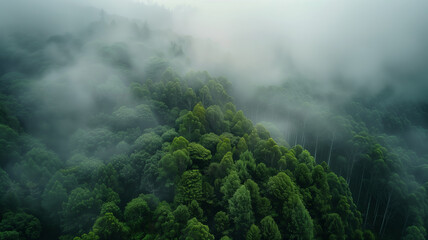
(113, 127)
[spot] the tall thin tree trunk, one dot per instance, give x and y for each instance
(367, 211)
(376, 210)
(331, 148)
(361, 185)
(386, 211)
(405, 224)
(295, 140)
(303, 140)
(316, 149)
(352, 169)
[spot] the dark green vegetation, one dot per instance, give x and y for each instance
(103, 137)
(377, 143)
(181, 162)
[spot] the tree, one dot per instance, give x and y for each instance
(253, 233)
(111, 207)
(241, 211)
(280, 188)
(223, 147)
(299, 223)
(195, 210)
(231, 184)
(9, 235)
(190, 187)
(210, 141)
(268, 151)
(199, 111)
(190, 98)
(241, 124)
(334, 226)
(269, 229)
(215, 119)
(8, 141)
(199, 155)
(108, 175)
(226, 163)
(109, 227)
(137, 214)
(221, 223)
(197, 231)
(26, 225)
(190, 126)
(179, 143)
(303, 175)
(80, 210)
(149, 142)
(53, 198)
(241, 147)
(173, 165)
(181, 215)
(414, 233)
(165, 221)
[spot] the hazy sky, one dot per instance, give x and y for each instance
(367, 44)
(364, 44)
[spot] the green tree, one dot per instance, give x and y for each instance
(231, 184)
(334, 226)
(109, 227)
(190, 98)
(414, 233)
(9, 235)
(53, 198)
(200, 112)
(221, 223)
(190, 187)
(303, 175)
(268, 151)
(80, 210)
(137, 214)
(223, 147)
(241, 147)
(195, 210)
(299, 223)
(197, 231)
(111, 207)
(149, 142)
(165, 221)
(280, 188)
(253, 233)
(215, 119)
(179, 143)
(190, 126)
(241, 211)
(227, 164)
(269, 229)
(181, 215)
(199, 155)
(26, 225)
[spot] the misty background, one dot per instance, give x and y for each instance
(315, 73)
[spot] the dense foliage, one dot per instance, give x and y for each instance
(373, 142)
(98, 142)
(191, 168)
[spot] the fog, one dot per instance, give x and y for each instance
(367, 45)
(339, 78)
(344, 46)
(343, 50)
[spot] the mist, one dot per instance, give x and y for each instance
(112, 108)
(363, 45)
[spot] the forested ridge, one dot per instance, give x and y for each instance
(187, 165)
(106, 134)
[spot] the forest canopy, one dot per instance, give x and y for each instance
(107, 132)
